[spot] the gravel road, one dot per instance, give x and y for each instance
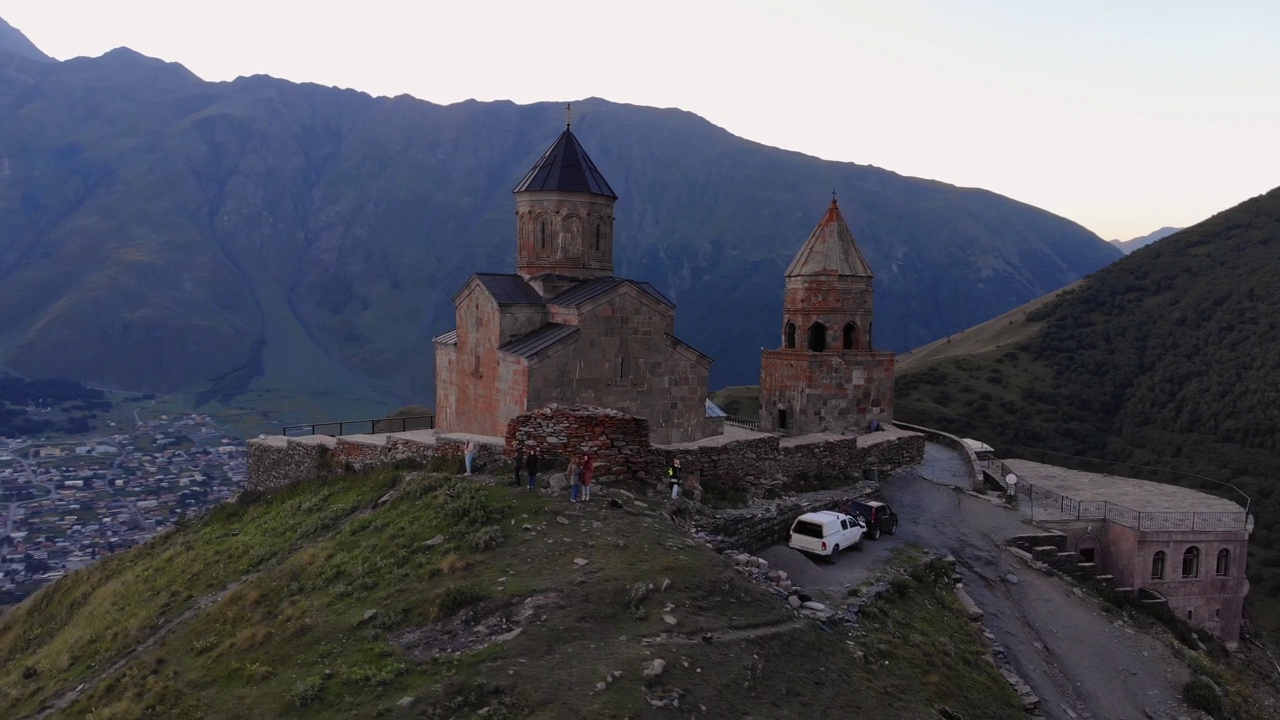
(1074, 651)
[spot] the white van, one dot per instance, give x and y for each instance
(826, 533)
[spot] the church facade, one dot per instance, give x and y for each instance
(826, 377)
(563, 328)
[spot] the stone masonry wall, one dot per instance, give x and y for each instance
(626, 358)
(825, 392)
(618, 442)
(278, 462)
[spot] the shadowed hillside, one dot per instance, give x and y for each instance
(1167, 358)
(264, 236)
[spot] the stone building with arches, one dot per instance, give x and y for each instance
(826, 377)
(562, 328)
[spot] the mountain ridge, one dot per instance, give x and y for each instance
(261, 236)
(1128, 246)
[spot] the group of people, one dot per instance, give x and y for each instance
(578, 473)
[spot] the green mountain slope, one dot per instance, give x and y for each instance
(1167, 358)
(162, 233)
(344, 598)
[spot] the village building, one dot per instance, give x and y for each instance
(826, 377)
(563, 328)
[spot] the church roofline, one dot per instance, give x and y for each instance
(547, 336)
(504, 288)
(592, 289)
(565, 167)
(830, 250)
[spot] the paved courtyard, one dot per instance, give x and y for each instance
(1140, 495)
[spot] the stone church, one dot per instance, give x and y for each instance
(562, 328)
(826, 377)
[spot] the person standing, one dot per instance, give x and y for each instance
(470, 453)
(531, 466)
(573, 474)
(673, 477)
(519, 462)
(588, 467)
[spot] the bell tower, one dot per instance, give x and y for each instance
(564, 218)
(826, 377)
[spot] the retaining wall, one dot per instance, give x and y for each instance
(955, 443)
(619, 443)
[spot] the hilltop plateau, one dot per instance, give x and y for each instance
(400, 594)
(275, 244)
(1166, 359)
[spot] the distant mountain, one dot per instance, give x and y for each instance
(302, 243)
(13, 42)
(1128, 246)
(1167, 358)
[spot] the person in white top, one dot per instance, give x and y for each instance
(470, 454)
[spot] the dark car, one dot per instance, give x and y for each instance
(878, 516)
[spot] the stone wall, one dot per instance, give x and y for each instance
(832, 391)
(278, 462)
(626, 358)
(618, 442)
(955, 443)
(741, 464)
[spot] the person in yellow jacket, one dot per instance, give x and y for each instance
(673, 477)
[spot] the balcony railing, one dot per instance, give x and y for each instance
(363, 427)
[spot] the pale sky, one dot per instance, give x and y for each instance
(1123, 115)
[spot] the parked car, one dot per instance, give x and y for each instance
(826, 533)
(878, 517)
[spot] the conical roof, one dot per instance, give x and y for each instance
(566, 167)
(830, 250)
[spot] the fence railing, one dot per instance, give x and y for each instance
(363, 427)
(1064, 507)
(745, 423)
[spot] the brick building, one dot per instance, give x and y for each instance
(562, 328)
(826, 377)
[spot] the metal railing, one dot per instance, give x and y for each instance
(363, 427)
(1064, 507)
(745, 423)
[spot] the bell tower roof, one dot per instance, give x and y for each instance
(830, 250)
(565, 167)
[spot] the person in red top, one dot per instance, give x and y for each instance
(588, 467)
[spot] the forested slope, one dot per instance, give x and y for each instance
(1167, 358)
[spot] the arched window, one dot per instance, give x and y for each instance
(850, 336)
(1191, 562)
(1157, 565)
(542, 233)
(571, 236)
(817, 337)
(597, 247)
(1224, 562)
(790, 339)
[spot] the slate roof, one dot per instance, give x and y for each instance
(539, 340)
(509, 289)
(566, 167)
(592, 289)
(830, 250)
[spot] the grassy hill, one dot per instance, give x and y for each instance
(1167, 358)
(261, 241)
(346, 598)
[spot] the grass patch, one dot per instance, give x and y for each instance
(328, 584)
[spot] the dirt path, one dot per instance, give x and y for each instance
(1069, 647)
